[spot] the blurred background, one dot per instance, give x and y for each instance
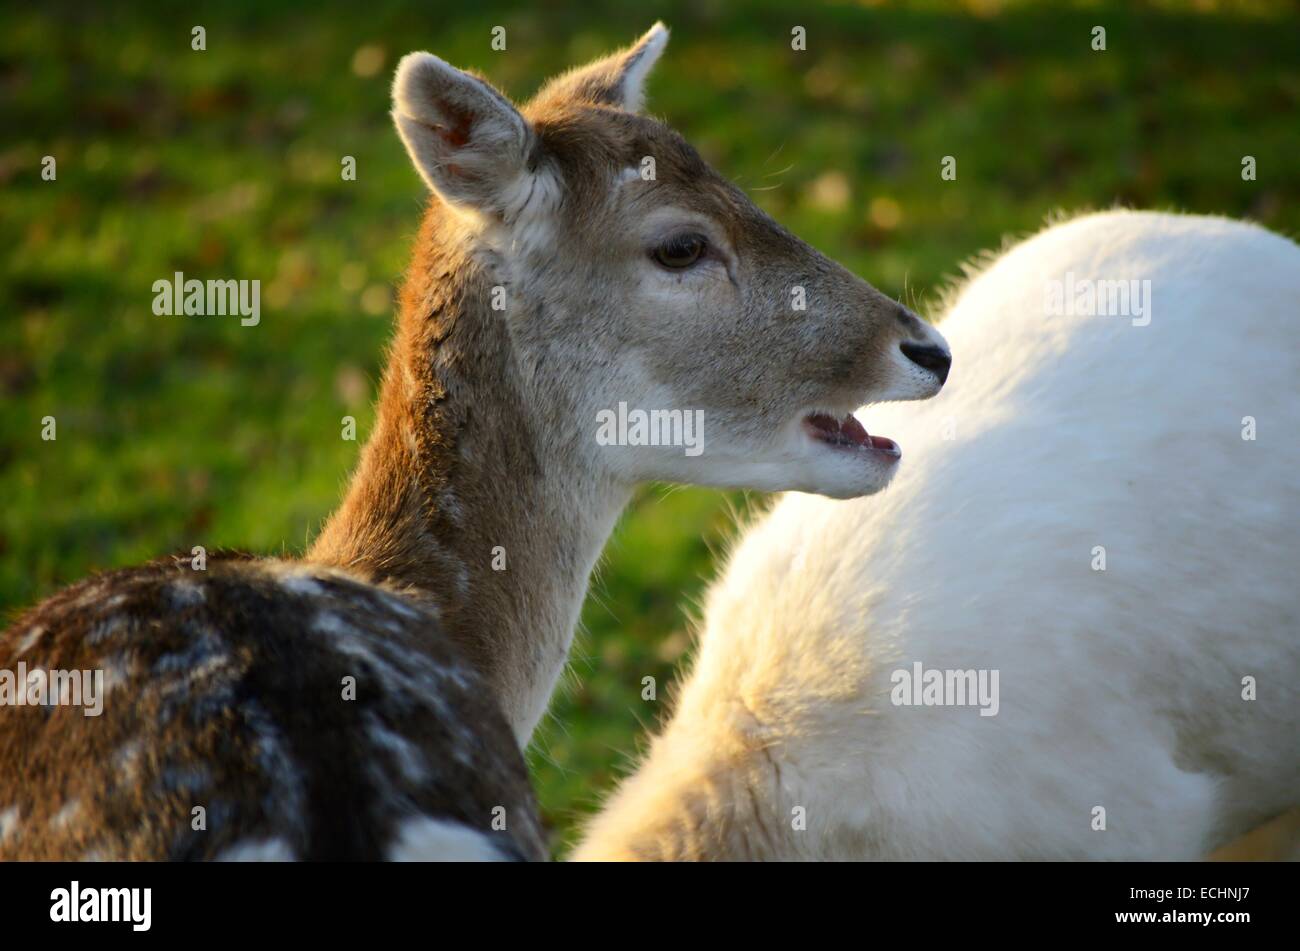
(226, 163)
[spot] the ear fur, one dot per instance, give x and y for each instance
(467, 141)
(617, 80)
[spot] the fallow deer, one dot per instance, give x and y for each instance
(554, 279)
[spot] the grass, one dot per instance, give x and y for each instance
(174, 432)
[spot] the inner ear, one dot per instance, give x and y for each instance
(618, 80)
(466, 139)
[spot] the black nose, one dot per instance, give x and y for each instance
(935, 359)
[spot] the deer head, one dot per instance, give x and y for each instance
(641, 281)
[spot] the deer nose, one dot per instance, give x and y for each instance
(935, 359)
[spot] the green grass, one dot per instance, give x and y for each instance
(174, 432)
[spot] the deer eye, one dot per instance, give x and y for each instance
(680, 251)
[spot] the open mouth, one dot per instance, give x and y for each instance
(847, 434)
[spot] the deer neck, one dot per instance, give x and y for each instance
(475, 491)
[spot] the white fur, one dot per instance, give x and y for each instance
(908, 380)
(1120, 689)
(409, 757)
(258, 850)
(528, 205)
(68, 815)
(32, 638)
(634, 79)
(436, 840)
(9, 822)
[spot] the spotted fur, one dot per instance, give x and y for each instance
(236, 683)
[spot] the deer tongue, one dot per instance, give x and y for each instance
(847, 430)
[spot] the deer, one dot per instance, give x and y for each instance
(1097, 522)
(576, 256)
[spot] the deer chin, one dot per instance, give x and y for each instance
(819, 452)
(839, 457)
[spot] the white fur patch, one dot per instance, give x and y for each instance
(410, 760)
(31, 640)
(90, 596)
(260, 850)
(302, 584)
(67, 815)
(127, 759)
(185, 593)
(117, 671)
(106, 629)
(908, 381)
(327, 622)
(8, 823)
(394, 664)
(635, 77)
(528, 205)
(436, 840)
(397, 604)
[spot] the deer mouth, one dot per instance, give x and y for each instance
(846, 434)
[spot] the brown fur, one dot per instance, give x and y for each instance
(483, 443)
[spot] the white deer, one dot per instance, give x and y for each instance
(1090, 552)
(577, 260)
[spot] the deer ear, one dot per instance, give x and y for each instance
(618, 80)
(468, 142)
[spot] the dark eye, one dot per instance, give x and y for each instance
(680, 251)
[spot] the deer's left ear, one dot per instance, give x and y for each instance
(618, 80)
